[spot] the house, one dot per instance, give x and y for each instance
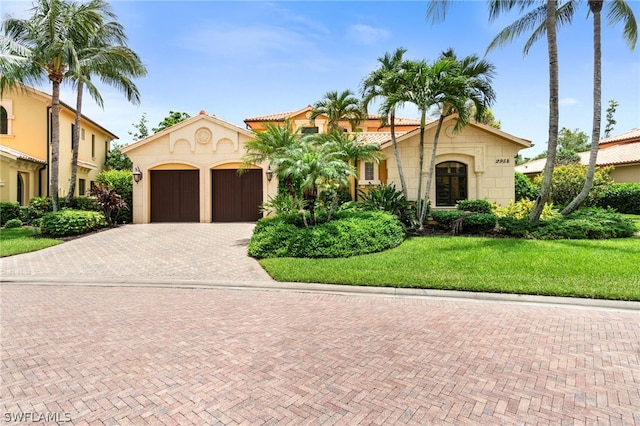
(620, 151)
(476, 163)
(189, 172)
(25, 154)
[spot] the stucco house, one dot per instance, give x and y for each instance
(620, 151)
(189, 172)
(25, 154)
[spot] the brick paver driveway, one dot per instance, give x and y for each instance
(141, 354)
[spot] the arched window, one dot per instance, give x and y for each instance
(451, 183)
(4, 121)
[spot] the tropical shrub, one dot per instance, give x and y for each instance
(478, 206)
(109, 201)
(444, 218)
(84, 203)
(525, 189)
(623, 197)
(522, 208)
(8, 211)
(121, 181)
(568, 180)
(13, 223)
(281, 204)
(588, 223)
(388, 199)
(71, 222)
(479, 223)
(350, 233)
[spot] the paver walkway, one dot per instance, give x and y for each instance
(112, 353)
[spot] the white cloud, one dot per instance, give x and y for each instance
(365, 34)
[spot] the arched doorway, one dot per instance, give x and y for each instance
(451, 183)
(20, 193)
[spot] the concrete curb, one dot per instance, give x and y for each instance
(327, 288)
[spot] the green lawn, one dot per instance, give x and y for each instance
(21, 240)
(608, 269)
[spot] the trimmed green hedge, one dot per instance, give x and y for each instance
(623, 197)
(71, 222)
(8, 211)
(351, 233)
(588, 223)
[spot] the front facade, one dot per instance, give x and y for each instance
(620, 151)
(191, 173)
(25, 152)
(475, 163)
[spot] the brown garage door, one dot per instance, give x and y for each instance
(175, 196)
(236, 198)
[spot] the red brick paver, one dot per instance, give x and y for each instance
(170, 356)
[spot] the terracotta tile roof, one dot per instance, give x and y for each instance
(630, 135)
(626, 153)
(377, 138)
(20, 155)
(281, 116)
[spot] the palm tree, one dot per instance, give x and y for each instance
(107, 57)
(619, 10)
(544, 18)
(46, 44)
(343, 106)
(456, 86)
(271, 144)
(383, 83)
(350, 150)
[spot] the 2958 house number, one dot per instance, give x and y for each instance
(502, 161)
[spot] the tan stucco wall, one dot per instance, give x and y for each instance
(626, 174)
(489, 159)
(201, 143)
(28, 114)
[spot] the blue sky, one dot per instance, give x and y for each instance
(244, 58)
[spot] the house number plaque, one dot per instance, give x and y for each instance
(502, 161)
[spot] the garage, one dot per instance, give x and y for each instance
(236, 198)
(175, 196)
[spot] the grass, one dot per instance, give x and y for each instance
(22, 240)
(606, 269)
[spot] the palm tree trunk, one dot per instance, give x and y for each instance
(55, 145)
(596, 8)
(76, 144)
(396, 153)
(552, 47)
(432, 170)
(420, 204)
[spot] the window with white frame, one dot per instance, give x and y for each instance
(369, 173)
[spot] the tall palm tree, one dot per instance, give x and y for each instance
(109, 58)
(383, 83)
(343, 106)
(45, 44)
(618, 11)
(543, 19)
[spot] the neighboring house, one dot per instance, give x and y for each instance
(25, 137)
(190, 174)
(621, 151)
(476, 163)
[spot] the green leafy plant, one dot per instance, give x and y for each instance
(388, 199)
(281, 204)
(13, 223)
(8, 211)
(568, 181)
(71, 222)
(478, 206)
(350, 233)
(524, 188)
(522, 208)
(623, 197)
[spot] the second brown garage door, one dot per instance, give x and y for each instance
(175, 196)
(236, 198)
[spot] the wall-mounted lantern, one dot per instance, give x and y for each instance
(137, 175)
(269, 173)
